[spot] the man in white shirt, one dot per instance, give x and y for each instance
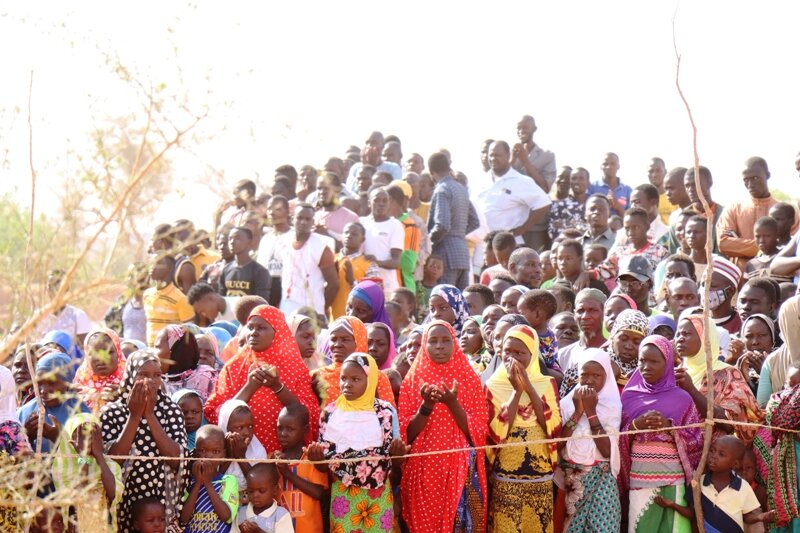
(513, 202)
(384, 238)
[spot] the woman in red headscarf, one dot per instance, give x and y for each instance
(348, 335)
(267, 374)
(443, 407)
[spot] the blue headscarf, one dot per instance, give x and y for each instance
(221, 334)
(456, 300)
(63, 340)
(57, 363)
(230, 327)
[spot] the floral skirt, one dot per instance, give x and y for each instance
(357, 509)
(592, 499)
(521, 506)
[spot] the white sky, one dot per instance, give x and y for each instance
(299, 81)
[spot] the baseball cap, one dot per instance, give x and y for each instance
(637, 266)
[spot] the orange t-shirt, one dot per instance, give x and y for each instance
(306, 511)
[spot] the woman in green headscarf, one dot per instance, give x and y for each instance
(97, 479)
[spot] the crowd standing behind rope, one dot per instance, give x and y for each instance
(421, 351)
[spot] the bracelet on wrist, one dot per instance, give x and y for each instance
(280, 389)
(425, 411)
(633, 425)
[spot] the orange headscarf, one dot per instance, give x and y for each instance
(284, 355)
(89, 385)
(443, 474)
(327, 378)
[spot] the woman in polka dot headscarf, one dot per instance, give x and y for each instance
(145, 422)
(442, 407)
(267, 373)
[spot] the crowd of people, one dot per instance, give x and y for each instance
(385, 344)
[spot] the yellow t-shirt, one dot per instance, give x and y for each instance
(360, 266)
(163, 307)
(665, 208)
(202, 259)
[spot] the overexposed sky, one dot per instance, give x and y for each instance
(299, 81)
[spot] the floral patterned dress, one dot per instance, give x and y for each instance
(361, 495)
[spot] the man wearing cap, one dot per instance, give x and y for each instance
(415, 234)
(636, 280)
(725, 280)
(451, 217)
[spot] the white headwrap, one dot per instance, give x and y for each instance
(8, 396)
(609, 413)
(255, 450)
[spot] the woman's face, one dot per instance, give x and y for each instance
(687, 340)
(353, 381)
(102, 353)
(207, 355)
(652, 363)
(241, 422)
(441, 310)
(593, 375)
(515, 349)
(306, 339)
(491, 315)
(259, 334)
(192, 409)
(413, 344)
(440, 344)
(359, 309)
(378, 344)
(757, 336)
(626, 345)
(497, 337)
(342, 343)
(150, 370)
(471, 340)
(614, 306)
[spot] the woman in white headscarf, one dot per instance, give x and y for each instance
(589, 466)
(774, 369)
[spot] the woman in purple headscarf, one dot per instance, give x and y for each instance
(366, 302)
(656, 466)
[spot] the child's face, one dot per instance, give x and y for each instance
(766, 239)
(378, 344)
(664, 331)
(515, 350)
(353, 237)
(593, 258)
(471, 340)
(261, 490)
(413, 344)
(290, 431)
(722, 457)
(192, 409)
(535, 317)
(353, 381)
(406, 304)
(569, 262)
(509, 300)
(498, 287)
(434, 270)
(151, 519)
(241, 422)
(210, 448)
(695, 235)
(747, 470)
(441, 310)
(102, 355)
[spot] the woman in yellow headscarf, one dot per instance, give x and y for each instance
(523, 406)
(358, 425)
(733, 399)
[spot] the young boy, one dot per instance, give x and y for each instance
(351, 265)
(695, 236)
(766, 235)
(747, 472)
(407, 300)
(213, 499)
(164, 304)
(263, 513)
(243, 276)
(149, 516)
(594, 255)
(302, 486)
(478, 298)
(784, 215)
(434, 268)
(538, 306)
(728, 501)
(503, 244)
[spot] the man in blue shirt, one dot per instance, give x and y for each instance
(618, 194)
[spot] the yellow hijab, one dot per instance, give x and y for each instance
(365, 402)
(502, 390)
(696, 364)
